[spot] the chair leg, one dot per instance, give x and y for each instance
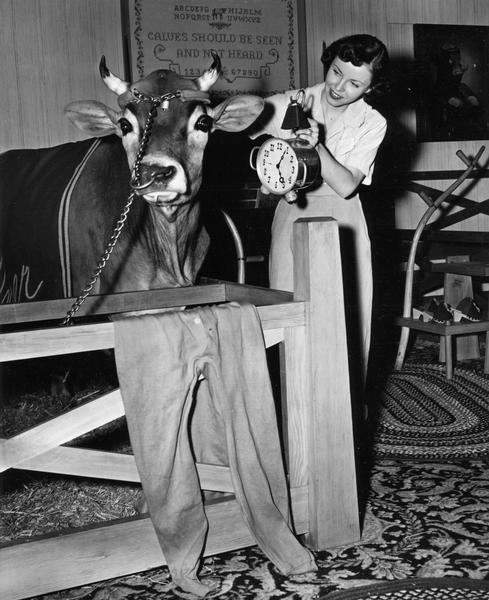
(486, 354)
(401, 350)
(448, 356)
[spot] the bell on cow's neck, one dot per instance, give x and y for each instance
(295, 118)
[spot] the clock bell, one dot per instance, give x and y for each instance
(286, 165)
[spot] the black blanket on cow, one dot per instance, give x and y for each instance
(35, 193)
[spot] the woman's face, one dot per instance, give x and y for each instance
(346, 83)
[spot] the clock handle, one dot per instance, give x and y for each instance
(304, 178)
(253, 154)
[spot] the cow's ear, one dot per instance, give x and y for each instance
(93, 117)
(236, 113)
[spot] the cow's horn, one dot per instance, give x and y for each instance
(116, 85)
(209, 77)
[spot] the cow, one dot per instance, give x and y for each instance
(140, 168)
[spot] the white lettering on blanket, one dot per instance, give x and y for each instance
(19, 288)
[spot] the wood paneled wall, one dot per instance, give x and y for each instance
(51, 48)
(50, 52)
(392, 21)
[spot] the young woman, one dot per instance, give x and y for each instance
(347, 132)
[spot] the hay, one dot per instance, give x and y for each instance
(48, 505)
(35, 504)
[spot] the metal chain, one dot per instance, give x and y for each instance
(142, 145)
(156, 100)
(122, 218)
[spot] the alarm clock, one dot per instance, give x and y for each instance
(284, 166)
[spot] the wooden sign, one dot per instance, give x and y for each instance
(257, 41)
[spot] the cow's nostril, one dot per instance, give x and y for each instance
(164, 173)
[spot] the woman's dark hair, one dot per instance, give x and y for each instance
(361, 49)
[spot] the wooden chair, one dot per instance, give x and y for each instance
(309, 325)
(462, 269)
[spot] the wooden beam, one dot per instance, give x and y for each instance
(256, 295)
(439, 175)
(211, 293)
(116, 549)
(282, 315)
(60, 430)
(470, 207)
(446, 237)
(112, 303)
(451, 329)
(83, 462)
(99, 336)
(470, 268)
(333, 501)
(295, 404)
(56, 341)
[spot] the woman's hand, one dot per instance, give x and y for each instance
(311, 134)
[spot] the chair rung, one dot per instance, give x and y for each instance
(476, 269)
(452, 329)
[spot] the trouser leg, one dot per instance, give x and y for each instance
(240, 386)
(156, 361)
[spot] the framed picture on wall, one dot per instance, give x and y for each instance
(451, 82)
(258, 42)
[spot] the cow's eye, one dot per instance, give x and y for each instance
(204, 123)
(125, 126)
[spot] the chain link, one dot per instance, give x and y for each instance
(155, 100)
(135, 177)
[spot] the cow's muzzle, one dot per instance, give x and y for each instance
(162, 175)
(166, 203)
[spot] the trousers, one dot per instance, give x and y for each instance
(175, 419)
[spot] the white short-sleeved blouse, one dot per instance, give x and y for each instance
(353, 139)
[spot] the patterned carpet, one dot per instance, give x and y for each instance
(423, 520)
(426, 513)
(419, 589)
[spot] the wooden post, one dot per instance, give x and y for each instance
(333, 500)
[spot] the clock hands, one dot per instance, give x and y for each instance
(281, 177)
(284, 166)
(281, 159)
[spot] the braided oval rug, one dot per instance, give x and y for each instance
(422, 415)
(418, 589)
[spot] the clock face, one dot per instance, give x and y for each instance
(277, 166)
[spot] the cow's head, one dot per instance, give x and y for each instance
(170, 172)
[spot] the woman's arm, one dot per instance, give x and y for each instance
(343, 180)
(345, 177)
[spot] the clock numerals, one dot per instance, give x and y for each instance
(277, 166)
